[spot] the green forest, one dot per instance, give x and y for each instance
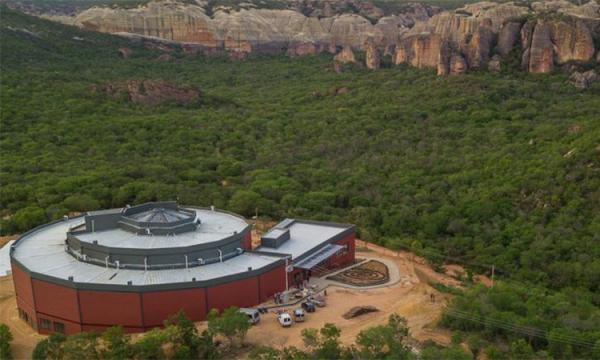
(483, 169)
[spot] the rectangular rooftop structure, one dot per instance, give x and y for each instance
(275, 237)
(306, 237)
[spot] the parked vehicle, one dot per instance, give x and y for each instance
(299, 315)
(285, 319)
(308, 306)
(253, 315)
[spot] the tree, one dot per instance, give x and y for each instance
(116, 344)
(385, 341)
(520, 349)
(49, 348)
(29, 217)
(231, 323)
(323, 343)
(80, 346)
(81, 202)
(5, 339)
(244, 202)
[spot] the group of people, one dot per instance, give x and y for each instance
(278, 298)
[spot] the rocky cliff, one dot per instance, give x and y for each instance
(545, 34)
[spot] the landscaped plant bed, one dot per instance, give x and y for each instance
(371, 273)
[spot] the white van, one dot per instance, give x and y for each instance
(299, 315)
(253, 315)
(285, 319)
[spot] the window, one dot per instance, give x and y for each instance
(44, 324)
(59, 327)
(343, 251)
(23, 315)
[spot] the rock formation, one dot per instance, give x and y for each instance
(372, 59)
(345, 56)
(508, 37)
(125, 53)
(583, 80)
(458, 65)
(151, 92)
(495, 64)
(557, 32)
(539, 50)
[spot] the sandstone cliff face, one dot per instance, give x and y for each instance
(572, 42)
(539, 57)
(254, 29)
(420, 35)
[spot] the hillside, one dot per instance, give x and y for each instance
(484, 169)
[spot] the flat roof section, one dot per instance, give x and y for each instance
(43, 252)
(306, 237)
(214, 226)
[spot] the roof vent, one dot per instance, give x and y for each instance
(95, 242)
(129, 282)
(194, 279)
(70, 278)
(65, 218)
(249, 268)
(212, 208)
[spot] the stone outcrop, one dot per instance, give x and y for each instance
(458, 65)
(421, 51)
(345, 56)
(572, 42)
(372, 59)
(151, 92)
(302, 49)
(495, 64)
(477, 49)
(125, 53)
(508, 36)
(539, 50)
(583, 80)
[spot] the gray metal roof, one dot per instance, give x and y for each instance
(160, 215)
(318, 257)
(43, 252)
(215, 225)
(306, 237)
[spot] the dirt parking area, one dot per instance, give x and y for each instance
(411, 298)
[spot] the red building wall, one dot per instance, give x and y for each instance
(272, 282)
(58, 301)
(24, 291)
(349, 256)
(159, 305)
(247, 241)
(240, 293)
(109, 308)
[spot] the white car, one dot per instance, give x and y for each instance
(285, 319)
(299, 315)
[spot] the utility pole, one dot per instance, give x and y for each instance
(493, 271)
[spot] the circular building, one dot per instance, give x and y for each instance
(136, 266)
